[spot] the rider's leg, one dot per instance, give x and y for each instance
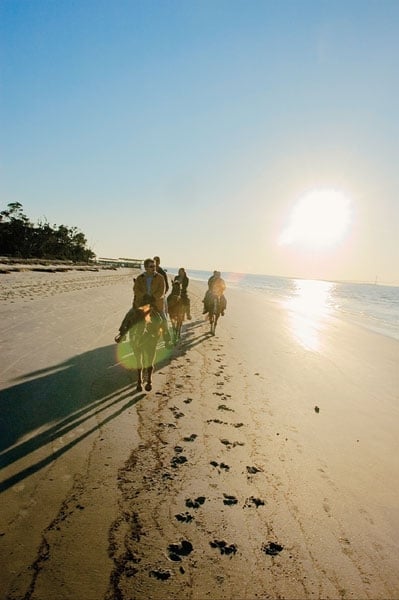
(126, 324)
(165, 331)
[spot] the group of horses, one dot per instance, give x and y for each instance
(143, 326)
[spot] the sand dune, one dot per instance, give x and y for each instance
(254, 469)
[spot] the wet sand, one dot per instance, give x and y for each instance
(256, 468)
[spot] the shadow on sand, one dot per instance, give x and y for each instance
(43, 406)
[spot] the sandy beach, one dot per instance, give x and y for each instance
(256, 468)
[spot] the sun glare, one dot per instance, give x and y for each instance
(320, 219)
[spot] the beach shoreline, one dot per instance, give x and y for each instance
(256, 468)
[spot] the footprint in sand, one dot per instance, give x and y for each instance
(272, 548)
(160, 574)
(176, 412)
(184, 517)
(253, 470)
(178, 460)
(229, 500)
(253, 502)
(231, 444)
(195, 503)
(224, 547)
(224, 407)
(188, 400)
(222, 465)
(190, 438)
(218, 421)
(176, 551)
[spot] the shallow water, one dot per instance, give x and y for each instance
(375, 307)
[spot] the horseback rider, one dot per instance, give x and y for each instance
(161, 271)
(153, 283)
(182, 278)
(149, 288)
(216, 287)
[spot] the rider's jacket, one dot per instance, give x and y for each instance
(157, 290)
(217, 286)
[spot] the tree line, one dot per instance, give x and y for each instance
(21, 238)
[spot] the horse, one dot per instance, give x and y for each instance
(143, 326)
(215, 309)
(176, 309)
(143, 338)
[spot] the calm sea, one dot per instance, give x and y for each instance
(375, 307)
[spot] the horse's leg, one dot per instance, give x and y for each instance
(148, 385)
(150, 359)
(139, 385)
(180, 323)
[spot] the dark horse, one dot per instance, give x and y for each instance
(144, 328)
(176, 309)
(215, 308)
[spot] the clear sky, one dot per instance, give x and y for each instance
(196, 130)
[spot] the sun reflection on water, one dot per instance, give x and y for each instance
(308, 310)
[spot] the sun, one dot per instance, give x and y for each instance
(320, 219)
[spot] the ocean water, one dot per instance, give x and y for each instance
(373, 306)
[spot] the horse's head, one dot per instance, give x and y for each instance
(176, 288)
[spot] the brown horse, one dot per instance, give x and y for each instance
(176, 310)
(216, 308)
(143, 325)
(143, 338)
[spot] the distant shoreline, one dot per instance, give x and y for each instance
(15, 265)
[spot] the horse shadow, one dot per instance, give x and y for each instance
(44, 405)
(193, 334)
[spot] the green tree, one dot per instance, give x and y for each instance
(20, 238)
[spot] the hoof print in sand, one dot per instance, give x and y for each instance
(223, 547)
(187, 400)
(229, 500)
(160, 574)
(224, 407)
(195, 503)
(178, 460)
(176, 551)
(190, 438)
(176, 412)
(238, 425)
(184, 517)
(253, 470)
(272, 548)
(222, 465)
(231, 444)
(253, 502)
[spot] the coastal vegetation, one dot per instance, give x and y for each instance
(20, 238)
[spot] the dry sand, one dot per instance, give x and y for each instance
(256, 468)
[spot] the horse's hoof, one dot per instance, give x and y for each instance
(148, 387)
(139, 388)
